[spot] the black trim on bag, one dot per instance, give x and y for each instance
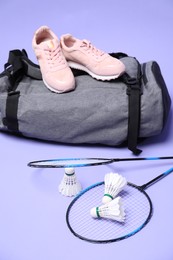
(144, 77)
(165, 95)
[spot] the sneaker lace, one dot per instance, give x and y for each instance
(91, 48)
(55, 57)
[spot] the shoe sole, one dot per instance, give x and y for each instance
(52, 89)
(77, 66)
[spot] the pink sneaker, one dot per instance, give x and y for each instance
(82, 55)
(56, 73)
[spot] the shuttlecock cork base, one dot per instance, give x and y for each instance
(112, 210)
(69, 185)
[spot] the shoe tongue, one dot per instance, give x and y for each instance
(49, 44)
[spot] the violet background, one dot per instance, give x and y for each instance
(32, 212)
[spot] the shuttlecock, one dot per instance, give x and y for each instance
(114, 183)
(112, 210)
(69, 185)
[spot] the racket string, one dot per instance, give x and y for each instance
(137, 208)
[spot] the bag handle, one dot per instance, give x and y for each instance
(19, 65)
(14, 68)
(134, 92)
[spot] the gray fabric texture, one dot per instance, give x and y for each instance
(95, 112)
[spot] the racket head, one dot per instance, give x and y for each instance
(69, 162)
(138, 209)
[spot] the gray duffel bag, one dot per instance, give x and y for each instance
(121, 111)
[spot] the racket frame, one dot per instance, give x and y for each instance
(139, 188)
(98, 161)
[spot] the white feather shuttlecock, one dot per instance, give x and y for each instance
(114, 183)
(69, 185)
(112, 210)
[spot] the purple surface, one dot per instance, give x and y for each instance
(32, 212)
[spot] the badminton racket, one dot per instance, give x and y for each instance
(137, 204)
(82, 162)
